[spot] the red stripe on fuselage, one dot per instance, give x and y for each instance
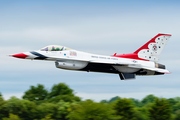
(129, 56)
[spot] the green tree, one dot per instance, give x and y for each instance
(47, 117)
(3, 109)
(23, 108)
(148, 99)
(136, 102)
(45, 109)
(62, 92)
(172, 101)
(113, 99)
(89, 110)
(176, 107)
(36, 94)
(104, 101)
(141, 113)
(63, 110)
(60, 89)
(177, 99)
(12, 117)
(160, 110)
(175, 103)
(177, 115)
(125, 109)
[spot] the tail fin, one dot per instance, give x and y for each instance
(152, 49)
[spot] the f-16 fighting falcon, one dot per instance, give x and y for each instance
(141, 62)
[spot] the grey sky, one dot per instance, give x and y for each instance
(95, 27)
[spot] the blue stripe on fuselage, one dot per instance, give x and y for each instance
(40, 56)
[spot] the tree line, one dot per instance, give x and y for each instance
(60, 103)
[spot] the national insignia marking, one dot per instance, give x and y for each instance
(134, 61)
(72, 53)
(154, 47)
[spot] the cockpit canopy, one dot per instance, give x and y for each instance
(55, 48)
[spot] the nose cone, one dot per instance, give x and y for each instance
(20, 55)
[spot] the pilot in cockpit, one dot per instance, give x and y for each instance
(55, 48)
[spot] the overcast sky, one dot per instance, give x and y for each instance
(94, 26)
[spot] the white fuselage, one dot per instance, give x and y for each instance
(77, 60)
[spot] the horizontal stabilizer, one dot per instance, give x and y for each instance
(127, 76)
(153, 69)
(159, 70)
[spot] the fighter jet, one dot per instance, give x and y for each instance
(141, 62)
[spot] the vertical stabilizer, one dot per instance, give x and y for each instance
(152, 49)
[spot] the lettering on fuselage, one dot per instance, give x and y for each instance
(100, 57)
(94, 56)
